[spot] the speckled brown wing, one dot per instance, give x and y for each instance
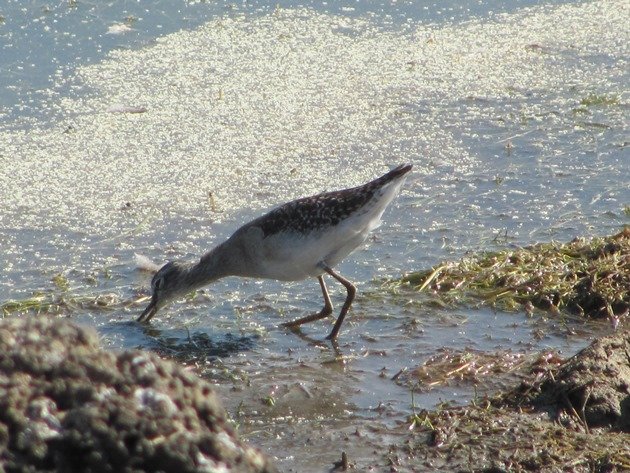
(323, 210)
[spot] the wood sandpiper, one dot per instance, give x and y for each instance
(300, 239)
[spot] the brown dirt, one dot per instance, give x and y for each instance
(594, 385)
(573, 417)
(67, 405)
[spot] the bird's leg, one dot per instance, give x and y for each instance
(352, 290)
(325, 312)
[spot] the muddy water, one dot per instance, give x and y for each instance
(516, 124)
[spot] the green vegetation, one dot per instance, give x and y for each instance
(593, 100)
(66, 294)
(58, 301)
(269, 401)
(61, 282)
(590, 277)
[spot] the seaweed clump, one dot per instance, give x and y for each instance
(590, 277)
(480, 368)
(67, 405)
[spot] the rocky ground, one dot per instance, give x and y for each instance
(68, 405)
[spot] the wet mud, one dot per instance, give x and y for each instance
(571, 417)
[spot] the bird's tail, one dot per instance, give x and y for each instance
(145, 264)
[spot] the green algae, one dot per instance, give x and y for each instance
(589, 277)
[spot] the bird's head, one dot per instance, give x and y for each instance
(166, 285)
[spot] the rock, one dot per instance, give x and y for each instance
(596, 383)
(68, 405)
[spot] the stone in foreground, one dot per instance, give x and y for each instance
(68, 405)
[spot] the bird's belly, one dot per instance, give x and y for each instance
(294, 256)
(289, 270)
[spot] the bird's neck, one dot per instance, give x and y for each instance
(216, 264)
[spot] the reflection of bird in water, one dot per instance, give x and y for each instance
(300, 239)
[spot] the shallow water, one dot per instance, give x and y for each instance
(41, 43)
(516, 122)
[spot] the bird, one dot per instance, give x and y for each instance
(304, 238)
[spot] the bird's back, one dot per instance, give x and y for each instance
(329, 208)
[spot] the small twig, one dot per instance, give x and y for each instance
(432, 276)
(572, 411)
(583, 408)
(397, 375)
(516, 136)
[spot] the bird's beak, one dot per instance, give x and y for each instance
(150, 311)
